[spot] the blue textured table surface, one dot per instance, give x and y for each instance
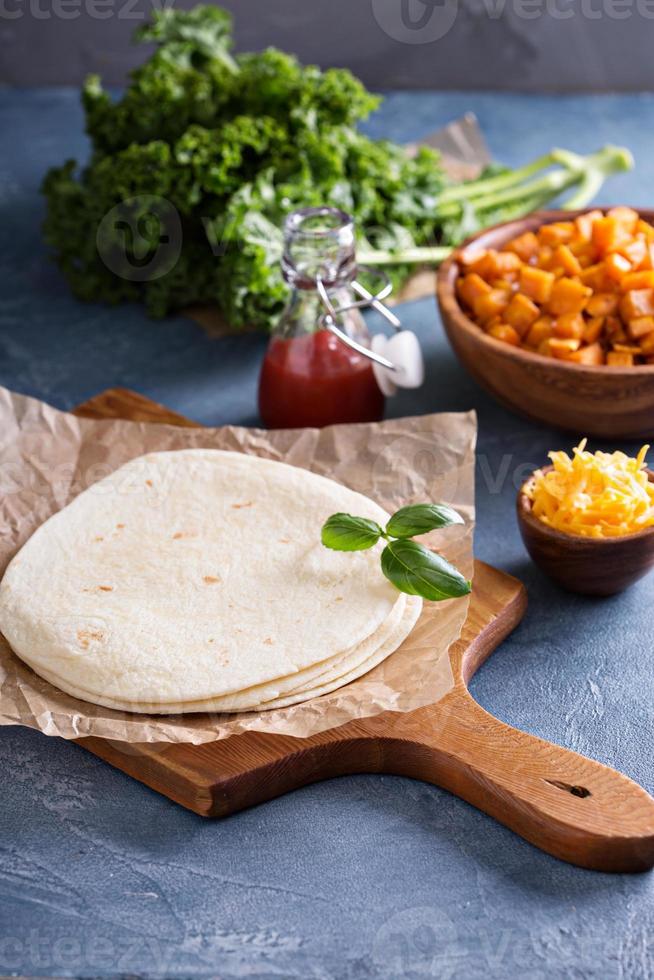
(363, 876)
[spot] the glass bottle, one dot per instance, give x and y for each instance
(309, 377)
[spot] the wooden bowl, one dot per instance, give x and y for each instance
(594, 401)
(591, 566)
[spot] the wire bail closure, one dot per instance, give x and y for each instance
(320, 255)
(373, 300)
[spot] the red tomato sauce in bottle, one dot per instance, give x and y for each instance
(309, 376)
(315, 380)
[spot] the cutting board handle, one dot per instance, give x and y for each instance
(573, 807)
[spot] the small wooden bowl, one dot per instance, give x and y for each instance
(590, 566)
(594, 401)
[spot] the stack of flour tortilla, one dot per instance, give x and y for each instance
(196, 581)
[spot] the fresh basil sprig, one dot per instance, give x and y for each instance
(414, 569)
(342, 532)
(421, 518)
(410, 566)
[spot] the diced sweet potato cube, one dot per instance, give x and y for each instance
(470, 287)
(603, 304)
(521, 313)
(616, 358)
(506, 333)
(564, 258)
(557, 233)
(504, 284)
(562, 348)
(586, 259)
(594, 277)
(647, 343)
(544, 257)
(568, 296)
(499, 264)
(585, 252)
(648, 261)
(471, 256)
(609, 234)
(616, 266)
(536, 283)
(644, 228)
(627, 349)
(584, 224)
(490, 304)
(544, 347)
(640, 326)
(627, 218)
(593, 329)
(592, 354)
(482, 267)
(541, 329)
(638, 280)
(525, 246)
(570, 325)
(636, 303)
(636, 251)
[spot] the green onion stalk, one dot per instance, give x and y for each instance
(477, 204)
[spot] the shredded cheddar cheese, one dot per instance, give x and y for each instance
(596, 495)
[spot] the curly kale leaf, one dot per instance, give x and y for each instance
(275, 83)
(232, 144)
(164, 98)
(70, 227)
(214, 163)
(200, 35)
(189, 79)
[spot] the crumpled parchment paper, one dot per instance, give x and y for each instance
(47, 457)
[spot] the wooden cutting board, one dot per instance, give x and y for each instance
(570, 806)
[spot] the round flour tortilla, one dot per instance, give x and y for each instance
(326, 684)
(322, 684)
(252, 698)
(307, 679)
(193, 575)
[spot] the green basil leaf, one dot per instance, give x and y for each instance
(420, 518)
(415, 570)
(342, 532)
